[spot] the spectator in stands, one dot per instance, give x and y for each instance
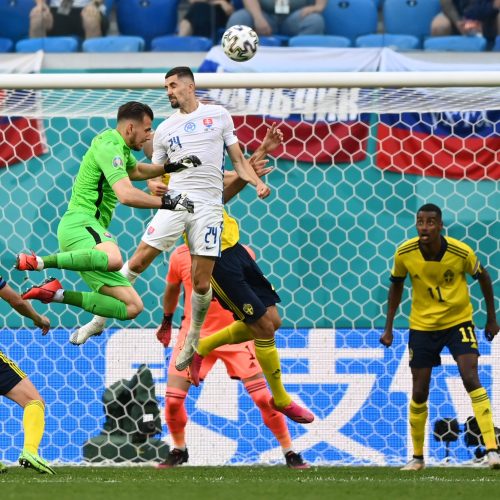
(205, 18)
(283, 17)
(467, 17)
(82, 18)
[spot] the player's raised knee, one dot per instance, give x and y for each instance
(134, 309)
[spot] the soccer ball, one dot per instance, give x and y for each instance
(240, 43)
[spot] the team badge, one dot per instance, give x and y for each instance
(248, 309)
(108, 235)
(449, 276)
(117, 162)
(151, 230)
(207, 123)
(189, 127)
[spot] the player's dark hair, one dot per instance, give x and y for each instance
(430, 207)
(134, 110)
(181, 71)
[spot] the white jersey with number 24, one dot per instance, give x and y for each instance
(205, 133)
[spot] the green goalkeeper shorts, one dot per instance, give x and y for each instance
(80, 231)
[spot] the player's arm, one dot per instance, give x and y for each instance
(245, 170)
(393, 301)
(491, 329)
(23, 307)
(233, 184)
(144, 171)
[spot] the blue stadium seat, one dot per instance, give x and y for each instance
(319, 41)
(410, 17)
(396, 42)
(6, 45)
(114, 44)
(147, 18)
(350, 18)
(48, 44)
(496, 47)
(15, 18)
(270, 41)
(455, 43)
(173, 43)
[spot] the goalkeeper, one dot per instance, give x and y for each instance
(16, 386)
(87, 247)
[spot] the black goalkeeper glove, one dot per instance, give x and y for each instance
(179, 202)
(186, 162)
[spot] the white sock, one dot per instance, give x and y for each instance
(39, 263)
(130, 275)
(286, 450)
(199, 308)
(59, 295)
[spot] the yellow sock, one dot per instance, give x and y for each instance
(482, 411)
(269, 360)
(235, 333)
(418, 418)
(34, 425)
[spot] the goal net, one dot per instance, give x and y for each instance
(361, 153)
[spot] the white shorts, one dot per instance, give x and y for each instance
(203, 230)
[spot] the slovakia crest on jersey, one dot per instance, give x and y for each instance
(208, 122)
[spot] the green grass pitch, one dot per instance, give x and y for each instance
(250, 483)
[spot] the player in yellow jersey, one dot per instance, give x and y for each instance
(16, 386)
(441, 315)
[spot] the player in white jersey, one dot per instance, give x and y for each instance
(202, 132)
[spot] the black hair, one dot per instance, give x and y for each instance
(134, 110)
(430, 207)
(180, 71)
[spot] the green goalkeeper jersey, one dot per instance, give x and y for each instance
(107, 161)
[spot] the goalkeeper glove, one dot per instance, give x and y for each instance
(186, 162)
(164, 332)
(179, 202)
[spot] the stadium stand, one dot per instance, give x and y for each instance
(147, 19)
(455, 43)
(409, 17)
(48, 44)
(395, 42)
(6, 45)
(173, 43)
(14, 18)
(351, 18)
(114, 44)
(319, 41)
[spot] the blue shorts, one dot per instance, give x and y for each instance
(425, 347)
(240, 286)
(10, 374)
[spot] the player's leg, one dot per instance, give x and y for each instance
(16, 386)
(201, 296)
(113, 296)
(85, 245)
(462, 343)
(241, 363)
(175, 410)
(203, 232)
(162, 232)
(240, 286)
(425, 348)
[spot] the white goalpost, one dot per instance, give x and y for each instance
(361, 153)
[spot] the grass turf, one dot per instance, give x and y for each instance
(252, 483)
